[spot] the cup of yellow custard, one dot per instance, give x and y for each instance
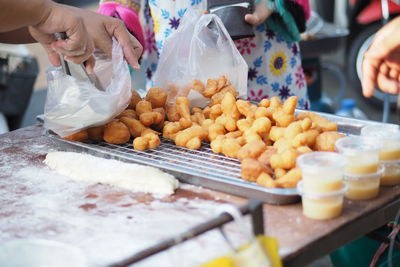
(390, 153)
(321, 206)
(362, 154)
(322, 171)
(391, 174)
(364, 186)
(390, 136)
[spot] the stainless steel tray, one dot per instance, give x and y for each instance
(203, 167)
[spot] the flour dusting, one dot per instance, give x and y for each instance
(107, 223)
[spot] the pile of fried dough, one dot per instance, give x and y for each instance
(266, 138)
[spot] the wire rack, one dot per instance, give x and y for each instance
(203, 167)
(199, 167)
(170, 156)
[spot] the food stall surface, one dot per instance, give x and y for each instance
(109, 223)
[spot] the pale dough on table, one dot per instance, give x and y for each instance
(137, 178)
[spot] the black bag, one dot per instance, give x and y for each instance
(232, 13)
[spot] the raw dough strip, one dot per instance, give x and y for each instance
(137, 178)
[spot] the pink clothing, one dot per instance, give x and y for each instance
(306, 6)
(127, 15)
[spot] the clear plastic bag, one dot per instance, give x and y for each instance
(200, 49)
(73, 104)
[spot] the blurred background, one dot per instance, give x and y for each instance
(338, 34)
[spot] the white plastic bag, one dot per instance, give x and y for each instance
(74, 104)
(200, 49)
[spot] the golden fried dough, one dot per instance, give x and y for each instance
(128, 113)
(143, 106)
(326, 141)
(79, 136)
(135, 126)
(116, 132)
(251, 150)
(96, 133)
(134, 100)
(157, 97)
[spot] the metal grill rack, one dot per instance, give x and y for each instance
(199, 167)
(203, 167)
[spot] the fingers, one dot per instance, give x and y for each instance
(104, 42)
(53, 56)
(74, 51)
(384, 69)
(252, 19)
(260, 14)
(370, 69)
(387, 79)
(381, 64)
(130, 45)
(133, 52)
(79, 46)
(387, 84)
(89, 64)
(393, 74)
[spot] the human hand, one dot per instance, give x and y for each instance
(78, 48)
(381, 64)
(260, 14)
(102, 28)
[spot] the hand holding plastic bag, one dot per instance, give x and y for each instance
(74, 104)
(200, 49)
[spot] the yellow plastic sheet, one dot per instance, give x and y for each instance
(269, 245)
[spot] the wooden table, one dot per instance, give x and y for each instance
(34, 205)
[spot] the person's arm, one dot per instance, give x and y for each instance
(16, 14)
(44, 18)
(18, 36)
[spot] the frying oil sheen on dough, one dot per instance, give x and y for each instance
(137, 178)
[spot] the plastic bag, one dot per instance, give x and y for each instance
(200, 49)
(73, 104)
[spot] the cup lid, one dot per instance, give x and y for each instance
(352, 145)
(375, 175)
(390, 131)
(317, 161)
(321, 195)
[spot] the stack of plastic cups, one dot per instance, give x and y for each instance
(322, 188)
(362, 172)
(389, 156)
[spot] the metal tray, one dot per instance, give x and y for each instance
(203, 167)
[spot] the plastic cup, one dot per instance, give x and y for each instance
(362, 154)
(38, 252)
(391, 174)
(322, 171)
(365, 186)
(390, 136)
(321, 206)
